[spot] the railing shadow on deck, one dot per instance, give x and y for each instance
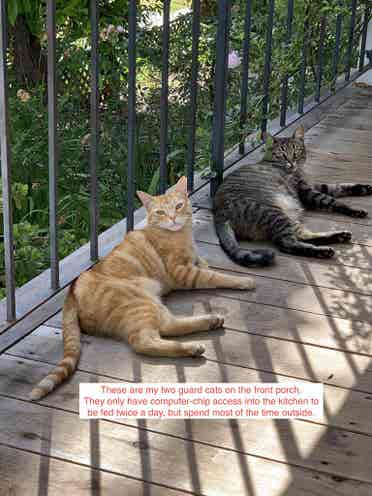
(309, 454)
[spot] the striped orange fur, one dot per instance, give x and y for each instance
(121, 295)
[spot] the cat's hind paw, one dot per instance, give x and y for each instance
(255, 258)
(339, 237)
(325, 252)
(344, 236)
(196, 350)
(246, 283)
(359, 214)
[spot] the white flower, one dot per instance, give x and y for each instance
(23, 95)
(119, 29)
(110, 29)
(85, 140)
(234, 60)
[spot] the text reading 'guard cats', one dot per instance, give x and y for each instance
(195, 400)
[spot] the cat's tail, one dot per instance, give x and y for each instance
(230, 245)
(71, 350)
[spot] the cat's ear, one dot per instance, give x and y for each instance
(299, 132)
(181, 185)
(145, 198)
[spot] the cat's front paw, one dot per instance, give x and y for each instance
(246, 283)
(362, 189)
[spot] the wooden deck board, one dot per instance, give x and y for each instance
(345, 408)
(237, 348)
(46, 475)
(238, 436)
(350, 266)
(273, 321)
(61, 477)
(308, 320)
(144, 454)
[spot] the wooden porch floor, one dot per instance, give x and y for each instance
(308, 320)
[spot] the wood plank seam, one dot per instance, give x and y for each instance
(279, 338)
(315, 214)
(289, 257)
(105, 470)
(212, 360)
(330, 387)
(173, 436)
(299, 283)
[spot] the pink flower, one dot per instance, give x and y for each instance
(120, 29)
(233, 60)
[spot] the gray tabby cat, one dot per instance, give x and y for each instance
(266, 202)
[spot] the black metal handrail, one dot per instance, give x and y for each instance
(219, 113)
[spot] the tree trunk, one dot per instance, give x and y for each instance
(29, 61)
(208, 8)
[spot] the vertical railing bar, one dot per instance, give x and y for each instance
(301, 95)
(52, 142)
(220, 92)
(336, 51)
(319, 72)
(267, 68)
(284, 88)
(351, 40)
(367, 11)
(245, 73)
(131, 112)
(94, 130)
(164, 100)
(193, 92)
(6, 168)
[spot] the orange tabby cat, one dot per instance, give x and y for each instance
(120, 295)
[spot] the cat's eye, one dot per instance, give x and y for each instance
(179, 205)
(160, 212)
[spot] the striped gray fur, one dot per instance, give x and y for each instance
(266, 201)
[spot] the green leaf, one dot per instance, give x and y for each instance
(153, 188)
(269, 143)
(174, 154)
(13, 11)
(27, 7)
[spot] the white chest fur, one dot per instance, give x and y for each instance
(287, 203)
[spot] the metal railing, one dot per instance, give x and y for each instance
(219, 113)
